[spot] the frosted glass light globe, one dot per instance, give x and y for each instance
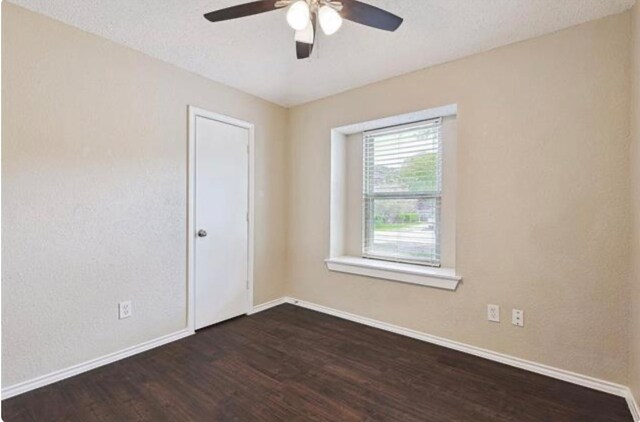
(306, 35)
(299, 15)
(330, 20)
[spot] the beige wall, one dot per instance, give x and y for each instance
(634, 350)
(353, 184)
(94, 164)
(543, 199)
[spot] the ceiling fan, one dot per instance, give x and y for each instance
(304, 15)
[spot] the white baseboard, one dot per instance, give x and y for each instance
(59, 375)
(268, 305)
(633, 406)
(538, 368)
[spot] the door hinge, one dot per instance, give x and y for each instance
(247, 284)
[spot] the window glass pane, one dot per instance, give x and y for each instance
(407, 161)
(403, 229)
(402, 191)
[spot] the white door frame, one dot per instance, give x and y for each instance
(195, 112)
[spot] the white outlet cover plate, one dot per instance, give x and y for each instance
(124, 309)
(517, 318)
(493, 313)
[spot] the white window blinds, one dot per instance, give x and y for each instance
(402, 193)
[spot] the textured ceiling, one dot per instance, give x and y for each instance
(257, 55)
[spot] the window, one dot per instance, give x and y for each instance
(402, 193)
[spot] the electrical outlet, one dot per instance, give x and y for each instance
(493, 313)
(124, 309)
(517, 318)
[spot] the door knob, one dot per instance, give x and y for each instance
(202, 233)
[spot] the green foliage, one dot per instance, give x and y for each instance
(409, 217)
(382, 227)
(420, 173)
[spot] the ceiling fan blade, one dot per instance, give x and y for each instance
(304, 50)
(243, 10)
(368, 15)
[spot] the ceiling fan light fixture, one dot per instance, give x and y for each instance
(303, 17)
(306, 35)
(299, 15)
(330, 20)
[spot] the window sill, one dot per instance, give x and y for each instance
(441, 278)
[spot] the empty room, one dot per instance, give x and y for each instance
(318, 210)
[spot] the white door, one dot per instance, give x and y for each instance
(221, 206)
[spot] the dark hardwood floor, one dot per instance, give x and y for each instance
(292, 364)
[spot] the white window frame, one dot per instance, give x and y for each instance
(339, 260)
